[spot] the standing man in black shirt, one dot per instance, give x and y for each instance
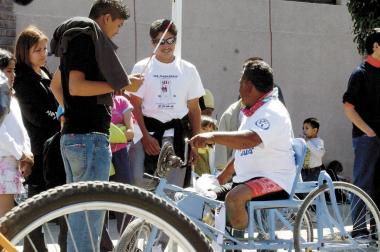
(88, 74)
(362, 108)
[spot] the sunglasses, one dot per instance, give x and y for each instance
(168, 41)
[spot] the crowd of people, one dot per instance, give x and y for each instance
(90, 120)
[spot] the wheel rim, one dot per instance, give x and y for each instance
(332, 238)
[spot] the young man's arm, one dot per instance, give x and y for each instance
(56, 87)
(151, 145)
(194, 115)
(79, 86)
(356, 119)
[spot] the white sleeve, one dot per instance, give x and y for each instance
(316, 147)
(266, 126)
(196, 89)
(7, 142)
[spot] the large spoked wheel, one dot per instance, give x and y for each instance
(43, 209)
(350, 225)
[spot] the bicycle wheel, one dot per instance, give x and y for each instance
(359, 220)
(86, 197)
(134, 237)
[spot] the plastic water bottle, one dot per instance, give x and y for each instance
(21, 197)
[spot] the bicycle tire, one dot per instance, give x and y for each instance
(337, 240)
(131, 234)
(66, 199)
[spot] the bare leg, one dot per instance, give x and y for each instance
(236, 201)
(6, 203)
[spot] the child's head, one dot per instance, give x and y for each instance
(208, 124)
(7, 65)
(31, 47)
(310, 127)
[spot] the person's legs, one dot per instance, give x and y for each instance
(123, 173)
(236, 201)
(367, 150)
(6, 203)
(136, 157)
(254, 189)
(87, 158)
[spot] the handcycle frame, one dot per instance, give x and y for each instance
(192, 204)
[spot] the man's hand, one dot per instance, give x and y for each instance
(26, 163)
(202, 139)
(151, 145)
(193, 156)
(136, 82)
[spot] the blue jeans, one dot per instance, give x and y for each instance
(367, 153)
(86, 157)
(136, 157)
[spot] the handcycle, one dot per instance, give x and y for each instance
(278, 224)
(321, 221)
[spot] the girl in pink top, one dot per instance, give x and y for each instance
(122, 117)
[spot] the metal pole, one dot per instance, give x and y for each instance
(177, 19)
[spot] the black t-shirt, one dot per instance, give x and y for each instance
(364, 93)
(83, 114)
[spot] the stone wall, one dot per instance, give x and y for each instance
(7, 25)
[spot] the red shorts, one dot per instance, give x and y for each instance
(262, 186)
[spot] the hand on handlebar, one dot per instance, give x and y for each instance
(151, 145)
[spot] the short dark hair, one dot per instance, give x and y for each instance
(260, 74)
(26, 40)
(373, 37)
(5, 58)
(116, 8)
(160, 25)
(313, 122)
(208, 121)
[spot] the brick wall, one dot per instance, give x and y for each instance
(7, 25)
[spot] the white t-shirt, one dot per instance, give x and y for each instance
(273, 158)
(317, 150)
(167, 88)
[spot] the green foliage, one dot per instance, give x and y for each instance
(365, 15)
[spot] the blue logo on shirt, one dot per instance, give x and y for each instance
(263, 124)
(246, 152)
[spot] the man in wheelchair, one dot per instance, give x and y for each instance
(263, 167)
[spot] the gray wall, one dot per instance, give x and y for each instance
(309, 46)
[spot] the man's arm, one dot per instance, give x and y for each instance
(56, 87)
(151, 145)
(233, 139)
(226, 175)
(356, 119)
(194, 115)
(79, 86)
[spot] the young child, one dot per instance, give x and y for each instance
(122, 117)
(206, 162)
(315, 150)
(16, 158)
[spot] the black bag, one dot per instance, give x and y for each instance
(53, 168)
